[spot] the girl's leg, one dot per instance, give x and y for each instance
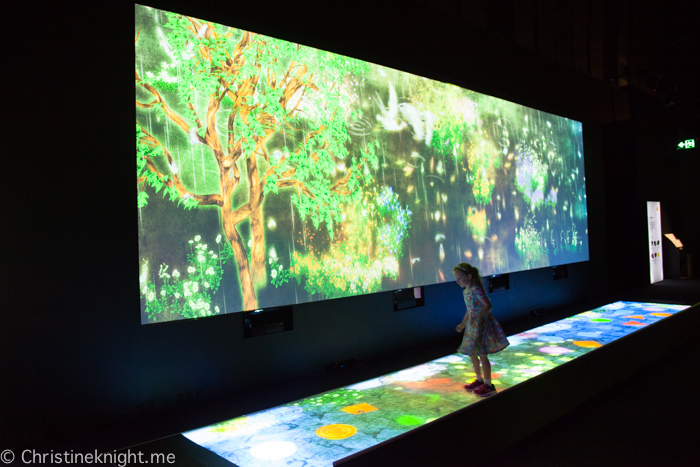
(487, 366)
(477, 367)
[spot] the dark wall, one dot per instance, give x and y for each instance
(641, 164)
(75, 356)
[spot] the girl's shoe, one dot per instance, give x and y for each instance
(473, 385)
(485, 390)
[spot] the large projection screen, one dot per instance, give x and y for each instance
(271, 173)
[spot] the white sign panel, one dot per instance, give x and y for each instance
(656, 263)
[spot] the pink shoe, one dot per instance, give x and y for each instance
(485, 390)
(473, 385)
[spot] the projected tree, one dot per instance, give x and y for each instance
(263, 89)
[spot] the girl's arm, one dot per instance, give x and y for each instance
(460, 327)
(486, 305)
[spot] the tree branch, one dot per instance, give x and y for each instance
(145, 106)
(344, 181)
(211, 136)
(295, 183)
(168, 111)
(150, 140)
(243, 212)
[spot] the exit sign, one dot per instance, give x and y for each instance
(687, 144)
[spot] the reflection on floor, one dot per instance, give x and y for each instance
(324, 428)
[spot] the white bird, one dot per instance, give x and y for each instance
(422, 123)
(202, 30)
(188, 53)
(165, 45)
(391, 112)
(413, 117)
(194, 137)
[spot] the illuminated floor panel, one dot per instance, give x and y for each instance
(326, 427)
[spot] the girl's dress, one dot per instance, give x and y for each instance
(482, 335)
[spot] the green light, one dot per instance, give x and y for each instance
(409, 420)
(687, 144)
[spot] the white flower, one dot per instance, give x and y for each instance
(204, 247)
(191, 269)
(144, 290)
(273, 273)
(188, 293)
(151, 297)
(177, 294)
(280, 268)
(206, 306)
(211, 252)
(149, 74)
(191, 241)
(216, 308)
(271, 261)
(206, 285)
(200, 258)
(197, 238)
(162, 293)
(210, 271)
(218, 238)
(214, 256)
(195, 287)
(192, 304)
(176, 273)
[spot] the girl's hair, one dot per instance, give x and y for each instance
(467, 268)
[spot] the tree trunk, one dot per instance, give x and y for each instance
(250, 301)
(257, 253)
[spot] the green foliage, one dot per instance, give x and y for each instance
(446, 134)
(324, 205)
(482, 189)
(341, 396)
(230, 425)
(188, 294)
(529, 244)
(278, 274)
(531, 174)
(480, 163)
(478, 223)
(142, 199)
(158, 182)
(568, 241)
(357, 262)
(201, 66)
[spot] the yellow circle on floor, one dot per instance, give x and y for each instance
(589, 344)
(338, 431)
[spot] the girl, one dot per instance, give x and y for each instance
(482, 333)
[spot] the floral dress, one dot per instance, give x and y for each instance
(482, 335)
